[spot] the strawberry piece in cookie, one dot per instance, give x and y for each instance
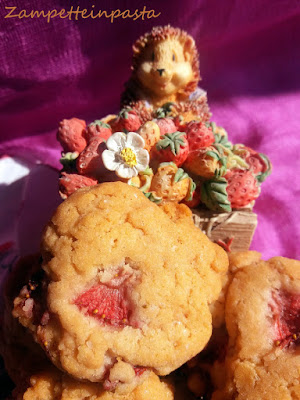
(109, 301)
(106, 304)
(286, 314)
(139, 370)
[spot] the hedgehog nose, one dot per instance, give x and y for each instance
(160, 71)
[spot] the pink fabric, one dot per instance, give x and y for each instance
(249, 57)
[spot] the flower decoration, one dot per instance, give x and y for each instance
(126, 154)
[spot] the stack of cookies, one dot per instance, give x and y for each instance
(119, 299)
(130, 301)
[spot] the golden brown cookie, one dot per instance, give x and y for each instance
(262, 315)
(23, 358)
(125, 287)
(54, 385)
(256, 354)
(237, 260)
(16, 344)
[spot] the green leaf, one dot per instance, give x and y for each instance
(214, 195)
(220, 172)
(124, 112)
(234, 160)
(180, 175)
(261, 177)
(213, 154)
(147, 183)
(211, 125)
(192, 188)
(164, 164)
(147, 171)
(152, 197)
(223, 140)
(164, 111)
(100, 123)
(68, 160)
(160, 113)
(172, 140)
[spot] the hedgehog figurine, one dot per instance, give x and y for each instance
(164, 143)
(165, 70)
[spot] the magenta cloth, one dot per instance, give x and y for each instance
(250, 64)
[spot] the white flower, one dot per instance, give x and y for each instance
(126, 154)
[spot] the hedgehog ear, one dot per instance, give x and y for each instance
(188, 46)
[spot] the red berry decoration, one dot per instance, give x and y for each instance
(173, 147)
(127, 121)
(199, 135)
(69, 183)
(89, 162)
(258, 163)
(179, 123)
(166, 125)
(71, 135)
(242, 187)
(98, 129)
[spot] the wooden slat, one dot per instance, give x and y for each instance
(239, 225)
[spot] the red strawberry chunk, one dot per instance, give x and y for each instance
(139, 370)
(107, 304)
(286, 317)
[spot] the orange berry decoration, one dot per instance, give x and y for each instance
(170, 183)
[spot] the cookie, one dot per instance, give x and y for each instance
(54, 385)
(16, 344)
(262, 315)
(33, 374)
(237, 260)
(125, 287)
(254, 349)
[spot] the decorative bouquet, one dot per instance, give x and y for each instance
(167, 158)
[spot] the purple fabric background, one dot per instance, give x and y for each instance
(250, 64)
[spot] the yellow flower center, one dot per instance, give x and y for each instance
(129, 157)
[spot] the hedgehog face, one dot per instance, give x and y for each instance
(165, 67)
